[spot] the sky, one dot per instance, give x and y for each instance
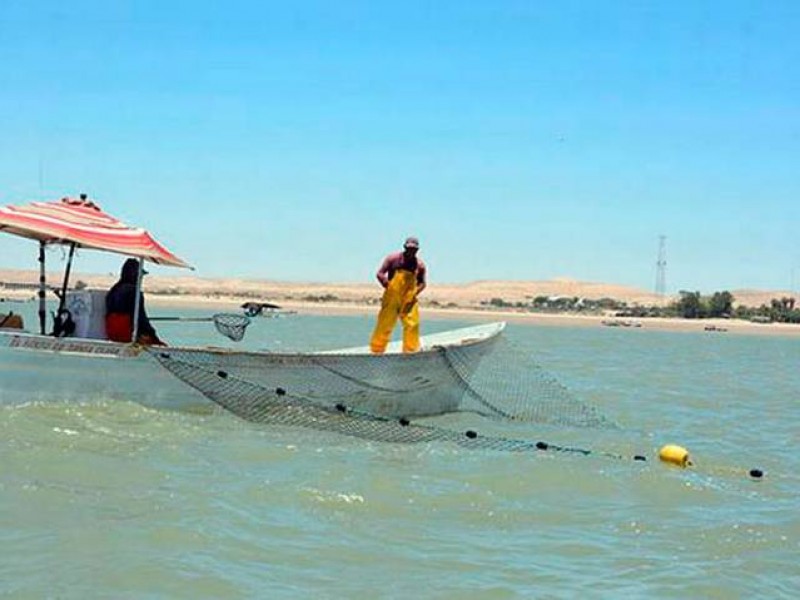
(519, 140)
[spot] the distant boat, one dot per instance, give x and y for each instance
(760, 319)
(620, 323)
(265, 309)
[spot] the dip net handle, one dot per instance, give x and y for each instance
(232, 326)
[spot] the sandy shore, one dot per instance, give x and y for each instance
(457, 301)
(721, 326)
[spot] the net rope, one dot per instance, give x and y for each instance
(278, 406)
(499, 381)
(352, 394)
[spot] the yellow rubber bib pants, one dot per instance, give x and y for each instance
(398, 301)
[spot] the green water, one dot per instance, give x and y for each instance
(114, 500)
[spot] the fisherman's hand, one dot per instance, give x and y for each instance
(408, 306)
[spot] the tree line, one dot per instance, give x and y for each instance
(692, 305)
(689, 305)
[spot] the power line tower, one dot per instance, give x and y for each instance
(661, 267)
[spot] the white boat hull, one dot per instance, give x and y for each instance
(66, 374)
(41, 369)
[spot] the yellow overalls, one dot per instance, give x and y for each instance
(398, 301)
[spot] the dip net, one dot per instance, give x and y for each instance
(231, 326)
(348, 394)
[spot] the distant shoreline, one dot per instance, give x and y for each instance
(722, 326)
(451, 301)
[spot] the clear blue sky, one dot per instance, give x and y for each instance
(518, 140)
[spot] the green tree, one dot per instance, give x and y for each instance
(721, 304)
(690, 305)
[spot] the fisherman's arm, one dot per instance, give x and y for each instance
(422, 278)
(383, 272)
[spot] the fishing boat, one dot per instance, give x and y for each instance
(68, 359)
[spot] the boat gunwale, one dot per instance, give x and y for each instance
(499, 327)
(122, 350)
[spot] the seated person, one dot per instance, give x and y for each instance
(120, 304)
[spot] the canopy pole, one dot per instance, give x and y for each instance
(137, 302)
(62, 301)
(42, 284)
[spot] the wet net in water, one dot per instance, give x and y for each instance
(509, 384)
(277, 406)
(362, 396)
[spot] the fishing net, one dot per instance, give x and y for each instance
(369, 396)
(231, 326)
(509, 384)
(277, 406)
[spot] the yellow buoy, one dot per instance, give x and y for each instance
(675, 455)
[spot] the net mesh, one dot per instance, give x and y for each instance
(509, 384)
(231, 326)
(280, 407)
(374, 396)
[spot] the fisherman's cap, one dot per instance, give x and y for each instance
(411, 242)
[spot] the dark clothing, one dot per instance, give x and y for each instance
(121, 299)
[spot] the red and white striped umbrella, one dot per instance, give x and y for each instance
(82, 222)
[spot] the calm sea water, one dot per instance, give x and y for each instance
(108, 499)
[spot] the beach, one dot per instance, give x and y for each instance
(446, 301)
(735, 326)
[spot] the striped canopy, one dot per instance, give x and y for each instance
(82, 222)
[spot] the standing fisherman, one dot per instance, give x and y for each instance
(403, 277)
